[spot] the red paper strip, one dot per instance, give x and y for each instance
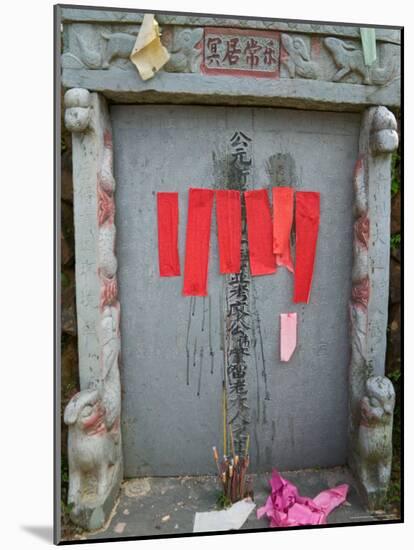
(200, 204)
(168, 259)
(282, 224)
(260, 232)
(307, 226)
(228, 211)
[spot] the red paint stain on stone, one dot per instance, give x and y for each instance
(361, 292)
(107, 138)
(315, 47)
(361, 228)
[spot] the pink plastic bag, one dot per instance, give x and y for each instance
(285, 507)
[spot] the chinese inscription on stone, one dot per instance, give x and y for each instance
(241, 52)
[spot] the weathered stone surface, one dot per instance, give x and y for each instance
(93, 414)
(77, 112)
(126, 16)
(368, 306)
(125, 86)
(179, 499)
(374, 443)
(96, 56)
(205, 134)
(95, 466)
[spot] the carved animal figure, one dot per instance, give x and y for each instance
(93, 450)
(348, 59)
(88, 56)
(119, 45)
(298, 62)
(375, 437)
(184, 56)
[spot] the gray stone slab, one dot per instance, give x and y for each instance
(303, 423)
(126, 86)
(128, 17)
(165, 506)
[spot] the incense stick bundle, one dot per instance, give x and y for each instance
(232, 473)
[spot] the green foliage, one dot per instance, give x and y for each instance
(223, 501)
(64, 279)
(394, 376)
(63, 146)
(395, 241)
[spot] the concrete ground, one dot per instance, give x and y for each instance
(157, 506)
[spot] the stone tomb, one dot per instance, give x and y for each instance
(309, 114)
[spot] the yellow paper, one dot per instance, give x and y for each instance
(149, 55)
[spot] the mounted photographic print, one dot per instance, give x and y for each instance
(229, 353)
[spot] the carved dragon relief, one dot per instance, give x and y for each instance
(333, 59)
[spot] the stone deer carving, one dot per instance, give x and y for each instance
(374, 441)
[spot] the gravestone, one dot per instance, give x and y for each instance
(308, 113)
(297, 411)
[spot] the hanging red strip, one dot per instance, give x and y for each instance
(169, 261)
(282, 224)
(260, 232)
(307, 226)
(228, 211)
(200, 204)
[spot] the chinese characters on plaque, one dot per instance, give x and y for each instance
(241, 52)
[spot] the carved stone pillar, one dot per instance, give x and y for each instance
(372, 395)
(93, 415)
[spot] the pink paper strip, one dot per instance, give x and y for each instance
(288, 335)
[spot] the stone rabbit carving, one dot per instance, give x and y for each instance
(374, 444)
(348, 58)
(94, 440)
(298, 61)
(93, 450)
(185, 56)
